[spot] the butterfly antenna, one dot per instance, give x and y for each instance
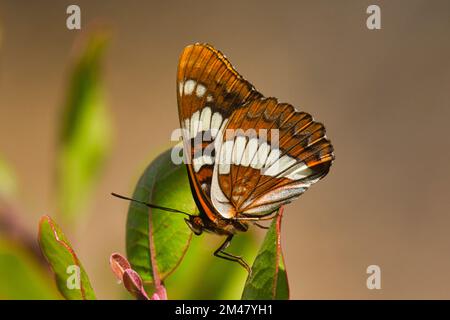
(149, 204)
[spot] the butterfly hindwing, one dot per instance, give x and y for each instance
(270, 154)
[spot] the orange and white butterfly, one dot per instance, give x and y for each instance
(238, 178)
(246, 155)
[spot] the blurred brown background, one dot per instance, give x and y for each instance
(383, 95)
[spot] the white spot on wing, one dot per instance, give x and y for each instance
(259, 160)
(279, 166)
(200, 91)
(219, 200)
(205, 119)
(189, 86)
(274, 155)
(216, 121)
(250, 152)
(299, 171)
(275, 198)
(226, 150)
(200, 161)
(186, 130)
(238, 150)
(219, 133)
(195, 120)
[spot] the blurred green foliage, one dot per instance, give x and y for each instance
(8, 181)
(70, 276)
(84, 144)
(85, 138)
(21, 275)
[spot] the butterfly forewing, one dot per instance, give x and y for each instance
(209, 91)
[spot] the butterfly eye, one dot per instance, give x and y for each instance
(197, 229)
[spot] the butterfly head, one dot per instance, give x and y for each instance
(195, 223)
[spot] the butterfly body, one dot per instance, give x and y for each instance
(223, 227)
(246, 155)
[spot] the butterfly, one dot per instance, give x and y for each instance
(246, 154)
(238, 178)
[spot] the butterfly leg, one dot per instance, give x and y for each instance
(268, 216)
(248, 217)
(220, 253)
(260, 225)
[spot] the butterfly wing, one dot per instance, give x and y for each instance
(260, 170)
(209, 91)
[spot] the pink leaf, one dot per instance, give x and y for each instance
(118, 265)
(133, 283)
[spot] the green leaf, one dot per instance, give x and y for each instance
(84, 141)
(157, 240)
(282, 291)
(22, 277)
(8, 185)
(268, 280)
(71, 278)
